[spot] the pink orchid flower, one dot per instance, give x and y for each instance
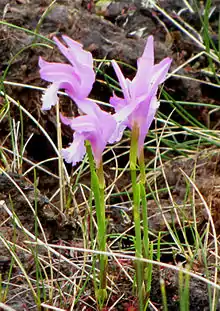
(98, 127)
(140, 103)
(76, 78)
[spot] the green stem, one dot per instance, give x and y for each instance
(98, 187)
(102, 227)
(144, 204)
(136, 213)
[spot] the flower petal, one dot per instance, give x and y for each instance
(65, 75)
(53, 72)
(121, 80)
(141, 81)
(117, 102)
(97, 127)
(146, 121)
(81, 61)
(82, 56)
(76, 151)
(159, 73)
(118, 132)
(154, 105)
(108, 124)
(87, 106)
(87, 128)
(61, 74)
(98, 145)
(66, 120)
(123, 109)
(50, 98)
(105, 121)
(70, 53)
(148, 52)
(81, 124)
(139, 104)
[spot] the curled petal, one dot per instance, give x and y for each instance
(70, 53)
(82, 63)
(75, 53)
(81, 124)
(76, 151)
(82, 56)
(63, 76)
(53, 72)
(76, 79)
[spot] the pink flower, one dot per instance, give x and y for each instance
(140, 104)
(98, 127)
(76, 78)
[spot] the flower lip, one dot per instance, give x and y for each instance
(98, 127)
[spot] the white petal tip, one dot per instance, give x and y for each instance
(49, 98)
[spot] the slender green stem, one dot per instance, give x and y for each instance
(136, 213)
(43, 16)
(144, 203)
(102, 228)
(98, 187)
